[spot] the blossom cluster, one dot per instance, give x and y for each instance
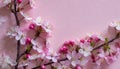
(73, 54)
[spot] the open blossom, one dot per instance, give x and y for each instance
(4, 3)
(3, 19)
(47, 27)
(6, 62)
(37, 46)
(44, 24)
(116, 24)
(32, 3)
(52, 56)
(25, 16)
(17, 34)
(85, 49)
(76, 59)
(36, 56)
(38, 21)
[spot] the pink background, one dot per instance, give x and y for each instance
(72, 19)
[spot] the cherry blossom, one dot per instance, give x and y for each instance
(6, 62)
(3, 3)
(115, 24)
(85, 49)
(16, 33)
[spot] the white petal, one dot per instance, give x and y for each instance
(73, 63)
(54, 59)
(118, 27)
(48, 57)
(22, 41)
(68, 56)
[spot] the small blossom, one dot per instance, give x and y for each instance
(25, 16)
(52, 56)
(3, 19)
(3, 3)
(32, 3)
(116, 24)
(38, 21)
(34, 56)
(16, 33)
(6, 62)
(37, 46)
(76, 58)
(47, 27)
(85, 49)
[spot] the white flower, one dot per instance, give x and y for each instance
(26, 17)
(3, 19)
(47, 27)
(17, 34)
(36, 46)
(6, 62)
(74, 58)
(38, 21)
(52, 56)
(85, 49)
(4, 3)
(32, 3)
(35, 56)
(116, 24)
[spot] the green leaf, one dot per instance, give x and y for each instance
(106, 40)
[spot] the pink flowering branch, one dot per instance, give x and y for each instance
(98, 47)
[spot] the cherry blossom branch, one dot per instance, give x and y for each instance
(18, 42)
(116, 37)
(51, 62)
(26, 51)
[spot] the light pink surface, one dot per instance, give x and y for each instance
(72, 19)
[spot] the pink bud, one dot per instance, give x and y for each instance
(78, 67)
(93, 58)
(32, 26)
(90, 39)
(28, 41)
(82, 40)
(43, 67)
(63, 50)
(69, 43)
(19, 1)
(27, 55)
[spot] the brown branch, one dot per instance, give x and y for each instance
(18, 24)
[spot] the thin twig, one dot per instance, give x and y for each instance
(18, 42)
